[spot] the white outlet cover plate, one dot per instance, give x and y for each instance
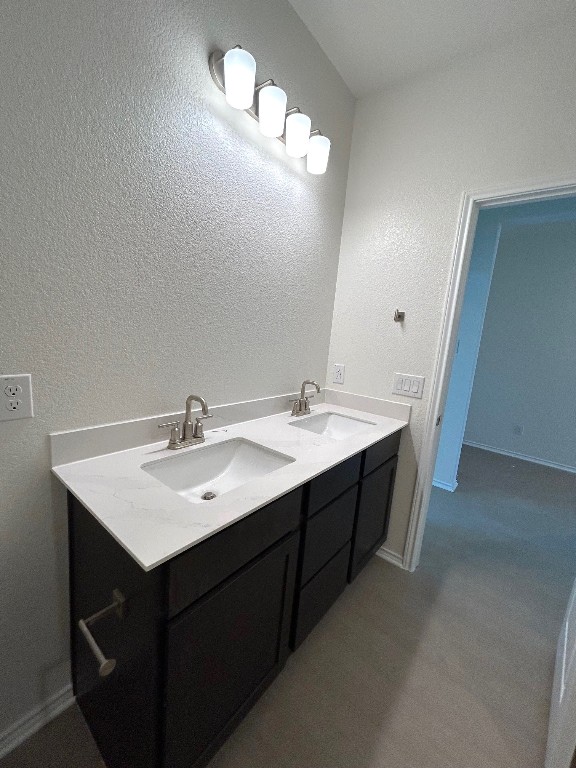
(16, 397)
(338, 375)
(408, 385)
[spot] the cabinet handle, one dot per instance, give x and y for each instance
(106, 666)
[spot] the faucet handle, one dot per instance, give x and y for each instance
(174, 432)
(198, 426)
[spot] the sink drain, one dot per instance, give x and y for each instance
(208, 496)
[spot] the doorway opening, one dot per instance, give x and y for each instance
(473, 206)
(502, 519)
(510, 382)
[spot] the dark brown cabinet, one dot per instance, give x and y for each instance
(345, 518)
(223, 652)
(324, 558)
(122, 710)
(376, 487)
(327, 532)
(373, 514)
(204, 634)
(330, 484)
(321, 592)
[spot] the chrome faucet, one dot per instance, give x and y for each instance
(302, 406)
(192, 431)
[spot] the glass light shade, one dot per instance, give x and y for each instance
(272, 110)
(239, 78)
(317, 158)
(297, 134)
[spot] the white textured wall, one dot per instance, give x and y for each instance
(152, 244)
(527, 361)
(507, 118)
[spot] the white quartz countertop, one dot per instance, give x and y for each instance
(154, 523)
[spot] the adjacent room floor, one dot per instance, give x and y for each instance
(450, 667)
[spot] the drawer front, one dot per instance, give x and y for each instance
(319, 594)
(327, 532)
(330, 484)
(380, 452)
(202, 567)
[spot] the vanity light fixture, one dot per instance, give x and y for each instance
(240, 78)
(318, 152)
(272, 110)
(297, 134)
(234, 72)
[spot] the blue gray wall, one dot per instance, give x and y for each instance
(523, 400)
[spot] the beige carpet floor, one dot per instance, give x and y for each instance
(450, 667)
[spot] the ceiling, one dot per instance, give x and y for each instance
(373, 43)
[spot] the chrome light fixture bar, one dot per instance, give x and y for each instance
(234, 73)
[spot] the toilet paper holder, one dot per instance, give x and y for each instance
(105, 666)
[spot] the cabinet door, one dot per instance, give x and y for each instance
(371, 527)
(223, 652)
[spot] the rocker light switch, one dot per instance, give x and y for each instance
(408, 386)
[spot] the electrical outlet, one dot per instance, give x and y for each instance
(338, 375)
(16, 394)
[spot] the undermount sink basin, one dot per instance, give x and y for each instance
(206, 473)
(332, 425)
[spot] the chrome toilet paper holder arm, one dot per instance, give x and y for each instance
(105, 666)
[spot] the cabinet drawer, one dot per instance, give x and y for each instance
(380, 452)
(327, 532)
(202, 567)
(319, 594)
(332, 483)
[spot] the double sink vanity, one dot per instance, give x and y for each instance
(195, 572)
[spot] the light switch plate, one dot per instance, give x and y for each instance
(16, 397)
(407, 385)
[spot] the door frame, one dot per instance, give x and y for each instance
(472, 202)
(477, 312)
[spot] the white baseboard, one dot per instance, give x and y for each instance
(391, 557)
(522, 456)
(445, 486)
(35, 719)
